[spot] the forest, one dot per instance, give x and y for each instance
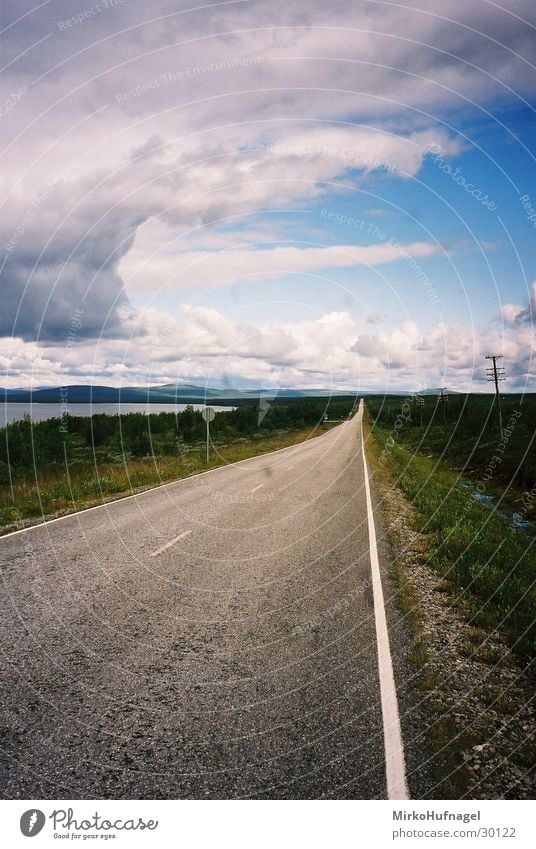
(65, 463)
(25, 446)
(464, 430)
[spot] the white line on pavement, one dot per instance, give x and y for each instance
(395, 766)
(257, 487)
(169, 544)
(143, 492)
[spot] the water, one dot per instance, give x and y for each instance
(519, 522)
(40, 412)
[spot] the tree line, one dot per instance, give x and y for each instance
(25, 445)
(464, 429)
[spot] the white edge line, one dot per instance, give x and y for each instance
(395, 767)
(163, 485)
(257, 487)
(169, 544)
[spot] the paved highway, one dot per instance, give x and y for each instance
(212, 638)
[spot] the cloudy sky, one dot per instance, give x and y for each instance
(267, 194)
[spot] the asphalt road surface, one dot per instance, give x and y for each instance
(212, 638)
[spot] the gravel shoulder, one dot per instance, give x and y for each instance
(476, 706)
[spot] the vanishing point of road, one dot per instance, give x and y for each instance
(222, 636)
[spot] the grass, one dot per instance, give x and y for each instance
(468, 439)
(454, 727)
(62, 488)
(488, 563)
(445, 739)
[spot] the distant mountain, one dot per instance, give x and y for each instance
(170, 393)
(180, 393)
(74, 395)
(407, 393)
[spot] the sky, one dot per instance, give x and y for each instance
(267, 194)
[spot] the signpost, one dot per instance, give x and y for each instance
(208, 415)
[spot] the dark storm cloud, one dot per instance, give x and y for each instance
(62, 256)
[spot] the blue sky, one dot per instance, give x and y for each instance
(282, 196)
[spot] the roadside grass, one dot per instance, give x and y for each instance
(445, 739)
(62, 488)
(497, 707)
(490, 566)
(466, 435)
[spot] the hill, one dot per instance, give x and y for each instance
(170, 393)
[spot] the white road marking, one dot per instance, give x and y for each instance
(395, 767)
(150, 489)
(257, 487)
(169, 544)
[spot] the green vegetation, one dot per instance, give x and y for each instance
(60, 464)
(471, 438)
(486, 560)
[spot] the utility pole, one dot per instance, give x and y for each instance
(443, 397)
(420, 403)
(495, 375)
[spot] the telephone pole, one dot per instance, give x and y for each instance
(443, 397)
(420, 404)
(495, 375)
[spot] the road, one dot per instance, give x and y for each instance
(212, 638)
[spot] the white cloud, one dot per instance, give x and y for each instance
(164, 271)
(76, 243)
(516, 314)
(330, 350)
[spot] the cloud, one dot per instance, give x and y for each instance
(374, 56)
(516, 315)
(374, 318)
(140, 123)
(69, 242)
(167, 271)
(209, 347)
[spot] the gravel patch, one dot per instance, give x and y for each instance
(480, 699)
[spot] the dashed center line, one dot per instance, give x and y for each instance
(169, 544)
(257, 487)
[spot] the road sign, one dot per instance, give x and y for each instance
(208, 415)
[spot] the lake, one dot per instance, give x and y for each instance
(39, 412)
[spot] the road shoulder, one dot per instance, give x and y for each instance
(467, 718)
(414, 716)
